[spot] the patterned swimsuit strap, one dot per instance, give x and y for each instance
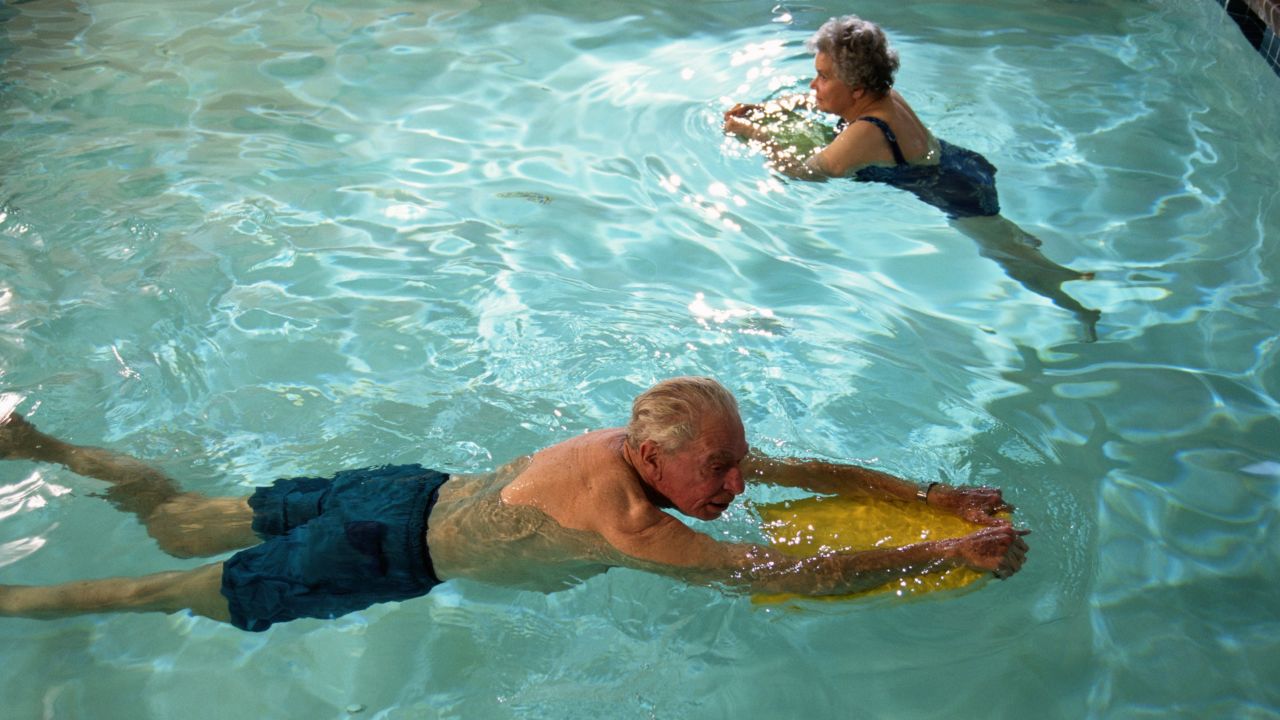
(889, 137)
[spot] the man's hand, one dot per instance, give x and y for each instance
(975, 504)
(999, 549)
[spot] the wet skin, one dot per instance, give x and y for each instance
(541, 522)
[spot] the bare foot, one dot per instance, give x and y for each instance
(18, 438)
(1089, 324)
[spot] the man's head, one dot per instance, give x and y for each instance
(670, 412)
(687, 440)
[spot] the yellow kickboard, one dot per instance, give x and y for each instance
(816, 525)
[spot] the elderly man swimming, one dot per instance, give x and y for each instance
(323, 547)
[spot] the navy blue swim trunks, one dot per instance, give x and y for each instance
(332, 546)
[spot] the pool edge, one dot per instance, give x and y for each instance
(1259, 21)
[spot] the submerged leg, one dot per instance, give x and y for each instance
(1018, 254)
(198, 590)
(185, 524)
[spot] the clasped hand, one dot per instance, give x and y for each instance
(737, 120)
(998, 548)
(980, 505)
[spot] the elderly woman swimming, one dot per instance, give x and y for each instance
(880, 139)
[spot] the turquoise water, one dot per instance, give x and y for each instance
(256, 239)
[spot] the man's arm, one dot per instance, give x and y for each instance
(669, 547)
(975, 504)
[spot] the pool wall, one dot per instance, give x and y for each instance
(1258, 20)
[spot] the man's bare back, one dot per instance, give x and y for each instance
(475, 532)
(549, 519)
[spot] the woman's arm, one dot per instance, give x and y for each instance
(858, 145)
(742, 120)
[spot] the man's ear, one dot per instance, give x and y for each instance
(649, 451)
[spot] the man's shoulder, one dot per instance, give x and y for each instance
(591, 485)
(579, 467)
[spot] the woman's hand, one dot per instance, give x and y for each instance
(738, 120)
(976, 504)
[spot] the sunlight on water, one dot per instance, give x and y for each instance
(249, 241)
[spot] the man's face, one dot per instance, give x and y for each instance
(702, 478)
(829, 92)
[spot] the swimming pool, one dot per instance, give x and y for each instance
(249, 240)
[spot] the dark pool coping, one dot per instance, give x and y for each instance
(1259, 20)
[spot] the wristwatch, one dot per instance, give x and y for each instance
(922, 492)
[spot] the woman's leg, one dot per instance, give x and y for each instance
(198, 590)
(184, 524)
(1018, 253)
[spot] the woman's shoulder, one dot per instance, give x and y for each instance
(889, 126)
(918, 143)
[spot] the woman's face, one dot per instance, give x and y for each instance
(831, 94)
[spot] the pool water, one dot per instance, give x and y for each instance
(250, 239)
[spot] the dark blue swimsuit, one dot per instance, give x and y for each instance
(962, 184)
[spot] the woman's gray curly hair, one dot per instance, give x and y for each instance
(671, 412)
(860, 52)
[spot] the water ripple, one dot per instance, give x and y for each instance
(251, 241)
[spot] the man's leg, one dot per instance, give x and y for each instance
(198, 590)
(184, 524)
